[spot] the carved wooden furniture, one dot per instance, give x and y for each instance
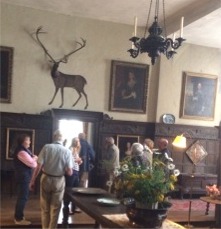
(209, 201)
(110, 217)
(198, 182)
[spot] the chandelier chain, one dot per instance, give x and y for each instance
(157, 10)
(164, 20)
(147, 23)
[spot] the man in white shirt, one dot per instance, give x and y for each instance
(55, 161)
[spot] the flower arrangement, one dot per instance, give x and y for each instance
(145, 184)
(213, 191)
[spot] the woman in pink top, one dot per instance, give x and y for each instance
(24, 162)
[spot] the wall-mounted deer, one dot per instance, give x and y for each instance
(62, 80)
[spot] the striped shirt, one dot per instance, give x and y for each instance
(75, 156)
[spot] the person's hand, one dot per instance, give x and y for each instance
(35, 157)
(79, 161)
(32, 186)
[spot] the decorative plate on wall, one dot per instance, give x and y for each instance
(168, 119)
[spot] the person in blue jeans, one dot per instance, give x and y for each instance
(87, 155)
(24, 162)
(72, 181)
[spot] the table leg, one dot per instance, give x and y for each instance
(97, 225)
(207, 208)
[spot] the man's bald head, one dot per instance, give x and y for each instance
(162, 143)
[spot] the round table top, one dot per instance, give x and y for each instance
(210, 200)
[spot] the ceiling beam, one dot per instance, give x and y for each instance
(191, 14)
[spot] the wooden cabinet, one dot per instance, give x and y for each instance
(195, 183)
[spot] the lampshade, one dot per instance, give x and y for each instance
(180, 141)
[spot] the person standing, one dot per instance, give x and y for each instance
(112, 156)
(73, 180)
(163, 152)
(148, 150)
(138, 157)
(24, 162)
(55, 161)
(87, 155)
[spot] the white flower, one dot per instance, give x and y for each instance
(176, 172)
(117, 173)
(109, 183)
(171, 166)
(125, 167)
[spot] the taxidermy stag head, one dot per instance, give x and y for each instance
(62, 80)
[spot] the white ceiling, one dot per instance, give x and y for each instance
(202, 18)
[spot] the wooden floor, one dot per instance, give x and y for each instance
(32, 213)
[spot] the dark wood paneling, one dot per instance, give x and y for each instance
(43, 127)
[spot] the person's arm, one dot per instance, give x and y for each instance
(91, 153)
(69, 171)
(25, 158)
(34, 176)
(70, 163)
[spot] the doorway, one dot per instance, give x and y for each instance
(70, 129)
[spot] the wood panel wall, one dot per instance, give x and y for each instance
(42, 126)
(44, 123)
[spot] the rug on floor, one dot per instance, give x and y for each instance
(183, 205)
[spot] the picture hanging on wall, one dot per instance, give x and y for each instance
(198, 97)
(11, 140)
(124, 143)
(6, 58)
(129, 83)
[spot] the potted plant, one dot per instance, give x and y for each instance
(145, 187)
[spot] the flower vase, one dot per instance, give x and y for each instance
(142, 205)
(146, 217)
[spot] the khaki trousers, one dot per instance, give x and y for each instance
(51, 196)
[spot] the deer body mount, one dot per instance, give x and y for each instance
(62, 80)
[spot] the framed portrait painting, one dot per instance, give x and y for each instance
(11, 140)
(6, 58)
(198, 97)
(124, 143)
(128, 90)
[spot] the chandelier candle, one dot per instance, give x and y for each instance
(135, 26)
(181, 27)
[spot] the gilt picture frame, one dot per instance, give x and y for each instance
(198, 97)
(123, 141)
(11, 140)
(6, 58)
(129, 85)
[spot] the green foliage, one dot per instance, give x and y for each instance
(145, 184)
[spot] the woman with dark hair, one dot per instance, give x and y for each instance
(24, 162)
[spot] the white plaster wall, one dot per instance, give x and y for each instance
(189, 58)
(32, 86)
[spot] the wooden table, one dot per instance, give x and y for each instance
(110, 217)
(209, 201)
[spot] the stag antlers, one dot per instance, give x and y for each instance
(62, 80)
(64, 59)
